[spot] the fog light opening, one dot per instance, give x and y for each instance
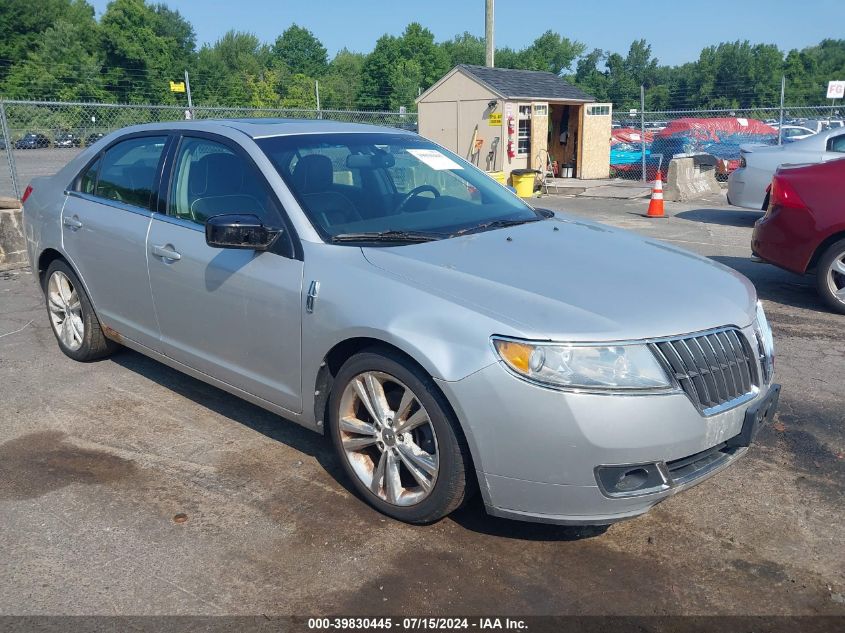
(631, 480)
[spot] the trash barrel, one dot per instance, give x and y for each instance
(498, 176)
(523, 181)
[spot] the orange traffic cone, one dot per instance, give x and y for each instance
(655, 206)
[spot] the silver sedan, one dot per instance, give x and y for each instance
(747, 185)
(366, 283)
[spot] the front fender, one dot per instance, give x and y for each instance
(358, 300)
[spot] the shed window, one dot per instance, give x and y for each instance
(523, 131)
(599, 110)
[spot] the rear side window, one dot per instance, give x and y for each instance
(837, 144)
(128, 170)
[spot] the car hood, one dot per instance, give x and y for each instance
(569, 279)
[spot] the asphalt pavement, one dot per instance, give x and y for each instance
(129, 488)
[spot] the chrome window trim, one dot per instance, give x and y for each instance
(110, 203)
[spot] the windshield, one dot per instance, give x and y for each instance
(352, 184)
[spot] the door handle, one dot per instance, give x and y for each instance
(72, 223)
(166, 252)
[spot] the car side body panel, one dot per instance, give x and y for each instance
(790, 237)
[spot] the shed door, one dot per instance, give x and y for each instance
(539, 135)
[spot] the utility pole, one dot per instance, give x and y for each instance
(317, 91)
(782, 94)
(489, 58)
(188, 90)
(642, 131)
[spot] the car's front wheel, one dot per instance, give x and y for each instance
(396, 438)
(72, 316)
(830, 276)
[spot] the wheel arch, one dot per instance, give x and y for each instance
(343, 351)
(47, 257)
(823, 246)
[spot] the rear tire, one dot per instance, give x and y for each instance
(830, 276)
(72, 317)
(396, 440)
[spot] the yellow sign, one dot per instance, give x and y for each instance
(495, 119)
(177, 86)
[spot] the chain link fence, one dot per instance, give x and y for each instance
(40, 137)
(644, 142)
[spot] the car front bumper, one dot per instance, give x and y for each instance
(537, 451)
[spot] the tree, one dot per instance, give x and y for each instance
(23, 23)
(417, 44)
(340, 85)
(377, 74)
(551, 52)
(465, 49)
(60, 67)
(145, 48)
(302, 53)
(299, 92)
(222, 70)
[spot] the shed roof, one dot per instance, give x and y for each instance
(510, 83)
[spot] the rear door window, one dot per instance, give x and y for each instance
(128, 171)
(836, 144)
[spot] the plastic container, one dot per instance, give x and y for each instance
(523, 181)
(498, 176)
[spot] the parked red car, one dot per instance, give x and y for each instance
(804, 226)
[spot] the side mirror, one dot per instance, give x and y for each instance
(239, 231)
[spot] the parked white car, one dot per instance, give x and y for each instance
(758, 163)
(796, 132)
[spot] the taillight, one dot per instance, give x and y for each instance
(783, 194)
(26, 193)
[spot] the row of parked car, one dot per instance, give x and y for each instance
(800, 187)
(38, 140)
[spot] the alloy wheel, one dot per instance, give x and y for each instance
(836, 277)
(388, 438)
(65, 310)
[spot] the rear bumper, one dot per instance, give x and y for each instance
(745, 190)
(785, 239)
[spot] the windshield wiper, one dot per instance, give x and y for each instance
(387, 236)
(494, 224)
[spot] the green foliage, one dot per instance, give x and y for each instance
(60, 66)
(301, 52)
(56, 49)
(145, 47)
(341, 84)
(465, 49)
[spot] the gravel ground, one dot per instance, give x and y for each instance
(97, 461)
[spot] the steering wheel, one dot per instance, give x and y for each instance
(413, 193)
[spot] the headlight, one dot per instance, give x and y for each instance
(767, 341)
(589, 367)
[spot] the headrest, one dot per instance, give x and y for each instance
(313, 173)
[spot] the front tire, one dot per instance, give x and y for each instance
(397, 439)
(72, 316)
(830, 276)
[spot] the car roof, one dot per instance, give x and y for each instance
(265, 128)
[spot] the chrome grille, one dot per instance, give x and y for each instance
(713, 368)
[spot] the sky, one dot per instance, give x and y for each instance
(677, 30)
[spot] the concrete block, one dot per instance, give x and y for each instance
(689, 178)
(12, 244)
